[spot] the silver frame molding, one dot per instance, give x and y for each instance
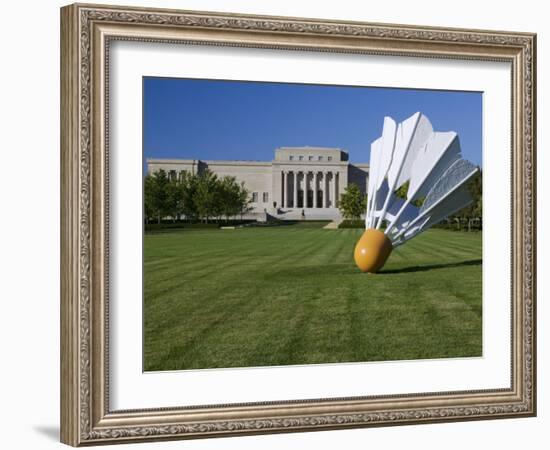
(86, 31)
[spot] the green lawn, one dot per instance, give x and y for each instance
(292, 295)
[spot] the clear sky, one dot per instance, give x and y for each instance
(211, 119)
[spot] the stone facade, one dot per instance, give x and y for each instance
(277, 187)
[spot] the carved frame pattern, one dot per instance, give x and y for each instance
(86, 418)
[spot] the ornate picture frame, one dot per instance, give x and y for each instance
(86, 34)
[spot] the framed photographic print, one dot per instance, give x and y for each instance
(279, 224)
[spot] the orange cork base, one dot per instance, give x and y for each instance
(372, 250)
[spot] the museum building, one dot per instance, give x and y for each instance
(300, 183)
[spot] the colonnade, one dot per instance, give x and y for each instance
(296, 185)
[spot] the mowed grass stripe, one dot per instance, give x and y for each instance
(451, 248)
(229, 283)
(292, 295)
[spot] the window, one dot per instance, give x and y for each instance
(329, 158)
(310, 158)
(320, 158)
(300, 158)
(254, 197)
(291, 158)
(265, 197)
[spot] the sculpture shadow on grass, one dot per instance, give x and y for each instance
(316, 270)
(472, 262)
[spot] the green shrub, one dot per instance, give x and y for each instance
(460, 224)
(160, 227)
(352, 223)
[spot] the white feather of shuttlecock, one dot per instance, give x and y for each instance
(432, 164)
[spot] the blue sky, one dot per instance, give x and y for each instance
(211, 119)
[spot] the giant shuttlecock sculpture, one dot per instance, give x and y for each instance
(430, 164)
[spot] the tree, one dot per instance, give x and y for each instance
(218, 206)
(228, 195)
(205, 195)
(352, 202)
(156, 195)
(149, 198)
(189, 183)
(475, 188)
(402, 191)
(174, 199)
(475, 209)
(244, 200)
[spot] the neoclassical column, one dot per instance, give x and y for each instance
(324, 205)
(304, 191)
(315, 189)
(307, 188)
(295, 185)
(289, 189)
(284, 199)
(334, 176)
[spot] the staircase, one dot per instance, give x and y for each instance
(332, 225)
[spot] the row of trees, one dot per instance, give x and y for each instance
(353, 202)
(196, 197)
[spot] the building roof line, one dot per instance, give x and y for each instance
(312, 147)
(236, 162)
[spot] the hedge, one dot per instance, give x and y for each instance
(352, 223)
